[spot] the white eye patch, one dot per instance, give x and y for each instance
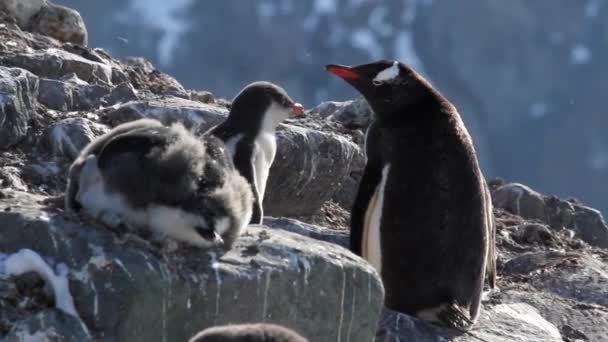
(388, 73)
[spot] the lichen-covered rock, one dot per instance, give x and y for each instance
(55, 63)
(126, 289)
(71, 93)
(500, 323)
(69, 136)
(18, 94)
(61, 23)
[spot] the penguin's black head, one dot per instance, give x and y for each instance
(263, 104)
(386, 85)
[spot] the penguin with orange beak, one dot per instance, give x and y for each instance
(423, 214)
(249, 134)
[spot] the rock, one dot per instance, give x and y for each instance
(10, 177)
(194, 115)
(61, 23)
(202, 96)
(576, 322)
(71, 93)
(19, 90)
(51, 325)
(124, 290)
(519, 199)
(338, 237)
(355, 114)
(67, 137)
(54, 63)
(569, 275)
(307, 170)
(143, 75)
(124, 92)
(23, 10)
(500, 323)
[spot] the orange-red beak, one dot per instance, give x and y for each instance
(297, 109)
(342, 71)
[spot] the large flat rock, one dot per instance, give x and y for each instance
(126, 290)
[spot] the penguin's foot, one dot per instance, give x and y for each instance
(447, 315)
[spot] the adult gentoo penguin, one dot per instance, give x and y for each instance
(248, 133)
(163, 178)
(423, 215)
(260, 332)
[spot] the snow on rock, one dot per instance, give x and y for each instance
(26, 260)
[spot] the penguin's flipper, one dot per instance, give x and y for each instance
(248, 171)
(137, 143)
(372, 176)
(491, 232)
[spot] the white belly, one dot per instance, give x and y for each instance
(265, 151)
(371, 249)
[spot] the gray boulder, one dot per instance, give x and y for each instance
(127, 289)
(61, 23)
(569, 275)
(19, 90)
(192, 114)
(338, 237)
(22, 10)
(69, 136)
(500, 323)
(587, 223)
(354, 114)
(56, 63)
(307, 170)
(575, 321)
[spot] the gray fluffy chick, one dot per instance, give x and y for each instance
(145, 174)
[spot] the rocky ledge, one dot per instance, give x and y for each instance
(57, 95)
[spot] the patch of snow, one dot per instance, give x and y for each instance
(538, 110)
(27, 260)
(365, 40)
(580, 54)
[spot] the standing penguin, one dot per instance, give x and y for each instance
(248, 133)
(423, 215)
(147, 175)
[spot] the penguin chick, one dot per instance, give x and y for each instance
(249, 134)
(167, 180)
(261, 332)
